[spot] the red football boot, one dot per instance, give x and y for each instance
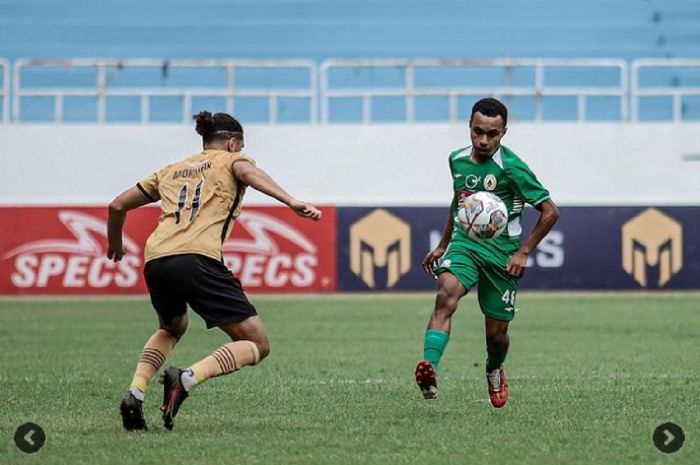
(426, 379)
(498, 387)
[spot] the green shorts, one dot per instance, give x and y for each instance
(496, 287)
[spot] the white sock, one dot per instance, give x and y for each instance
(188, 380)
(138, 393)
(494, 378)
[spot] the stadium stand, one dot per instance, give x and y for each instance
(319, 30)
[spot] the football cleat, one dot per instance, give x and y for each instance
(132, 413)
(426, 379)
(174, 395)
(498, 387)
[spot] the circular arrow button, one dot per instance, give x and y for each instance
(29, 438)
(668, 437)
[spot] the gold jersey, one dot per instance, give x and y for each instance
(200, 198)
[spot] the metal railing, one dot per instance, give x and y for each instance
(409, 90)
(104, 84)
(5, 90)
(675, 92)
(101, 90)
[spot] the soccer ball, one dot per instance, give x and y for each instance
(483, 215)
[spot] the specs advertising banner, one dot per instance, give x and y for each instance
(62, 250)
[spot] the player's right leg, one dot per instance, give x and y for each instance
(450, 290)
(249, 346)
(218, 297)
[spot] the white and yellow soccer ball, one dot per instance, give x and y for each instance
(483, 215)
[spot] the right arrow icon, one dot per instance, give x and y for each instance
(668, 437)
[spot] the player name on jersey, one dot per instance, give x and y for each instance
(192, 171)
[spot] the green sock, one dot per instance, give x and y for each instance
(434, 345)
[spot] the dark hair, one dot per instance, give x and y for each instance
(490, 107)
(219, 126)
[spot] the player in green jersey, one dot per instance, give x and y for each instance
(460, 262)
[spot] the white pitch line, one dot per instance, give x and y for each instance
(409, 380)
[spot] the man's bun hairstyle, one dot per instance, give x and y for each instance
(219, 126)
(205, 123)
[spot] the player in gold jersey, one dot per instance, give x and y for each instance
(200, 198)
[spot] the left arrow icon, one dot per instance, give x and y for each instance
(29, 438)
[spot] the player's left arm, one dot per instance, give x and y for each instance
(118, 208)
(549, 214)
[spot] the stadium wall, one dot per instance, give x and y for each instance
(630, 197)
(582, 164)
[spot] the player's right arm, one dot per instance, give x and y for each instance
(430, 260)
(118, 208)
(259, 180)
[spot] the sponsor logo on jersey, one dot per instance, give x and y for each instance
(260, 258)
(76, 262)
(380, 239)
(490, 182)
(471, 181)
(652, 239)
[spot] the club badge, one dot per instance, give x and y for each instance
(490, 182)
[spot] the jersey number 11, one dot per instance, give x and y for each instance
(182, 200)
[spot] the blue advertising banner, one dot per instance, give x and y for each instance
(589, 248)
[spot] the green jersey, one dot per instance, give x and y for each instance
(504, 175)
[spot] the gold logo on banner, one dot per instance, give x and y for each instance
(380, 239)
(654, 239)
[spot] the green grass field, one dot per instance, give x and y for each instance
(591, 377)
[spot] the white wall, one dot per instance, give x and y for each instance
(358, 165)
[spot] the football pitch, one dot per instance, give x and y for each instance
(591, 376)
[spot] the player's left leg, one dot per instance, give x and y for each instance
(497, 301)
(497, 342)
(155, 352)
(172, 317)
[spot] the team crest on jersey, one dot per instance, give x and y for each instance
(490, 182)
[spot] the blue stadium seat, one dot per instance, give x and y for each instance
(323, 29)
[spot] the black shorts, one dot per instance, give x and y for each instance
(200, 281)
